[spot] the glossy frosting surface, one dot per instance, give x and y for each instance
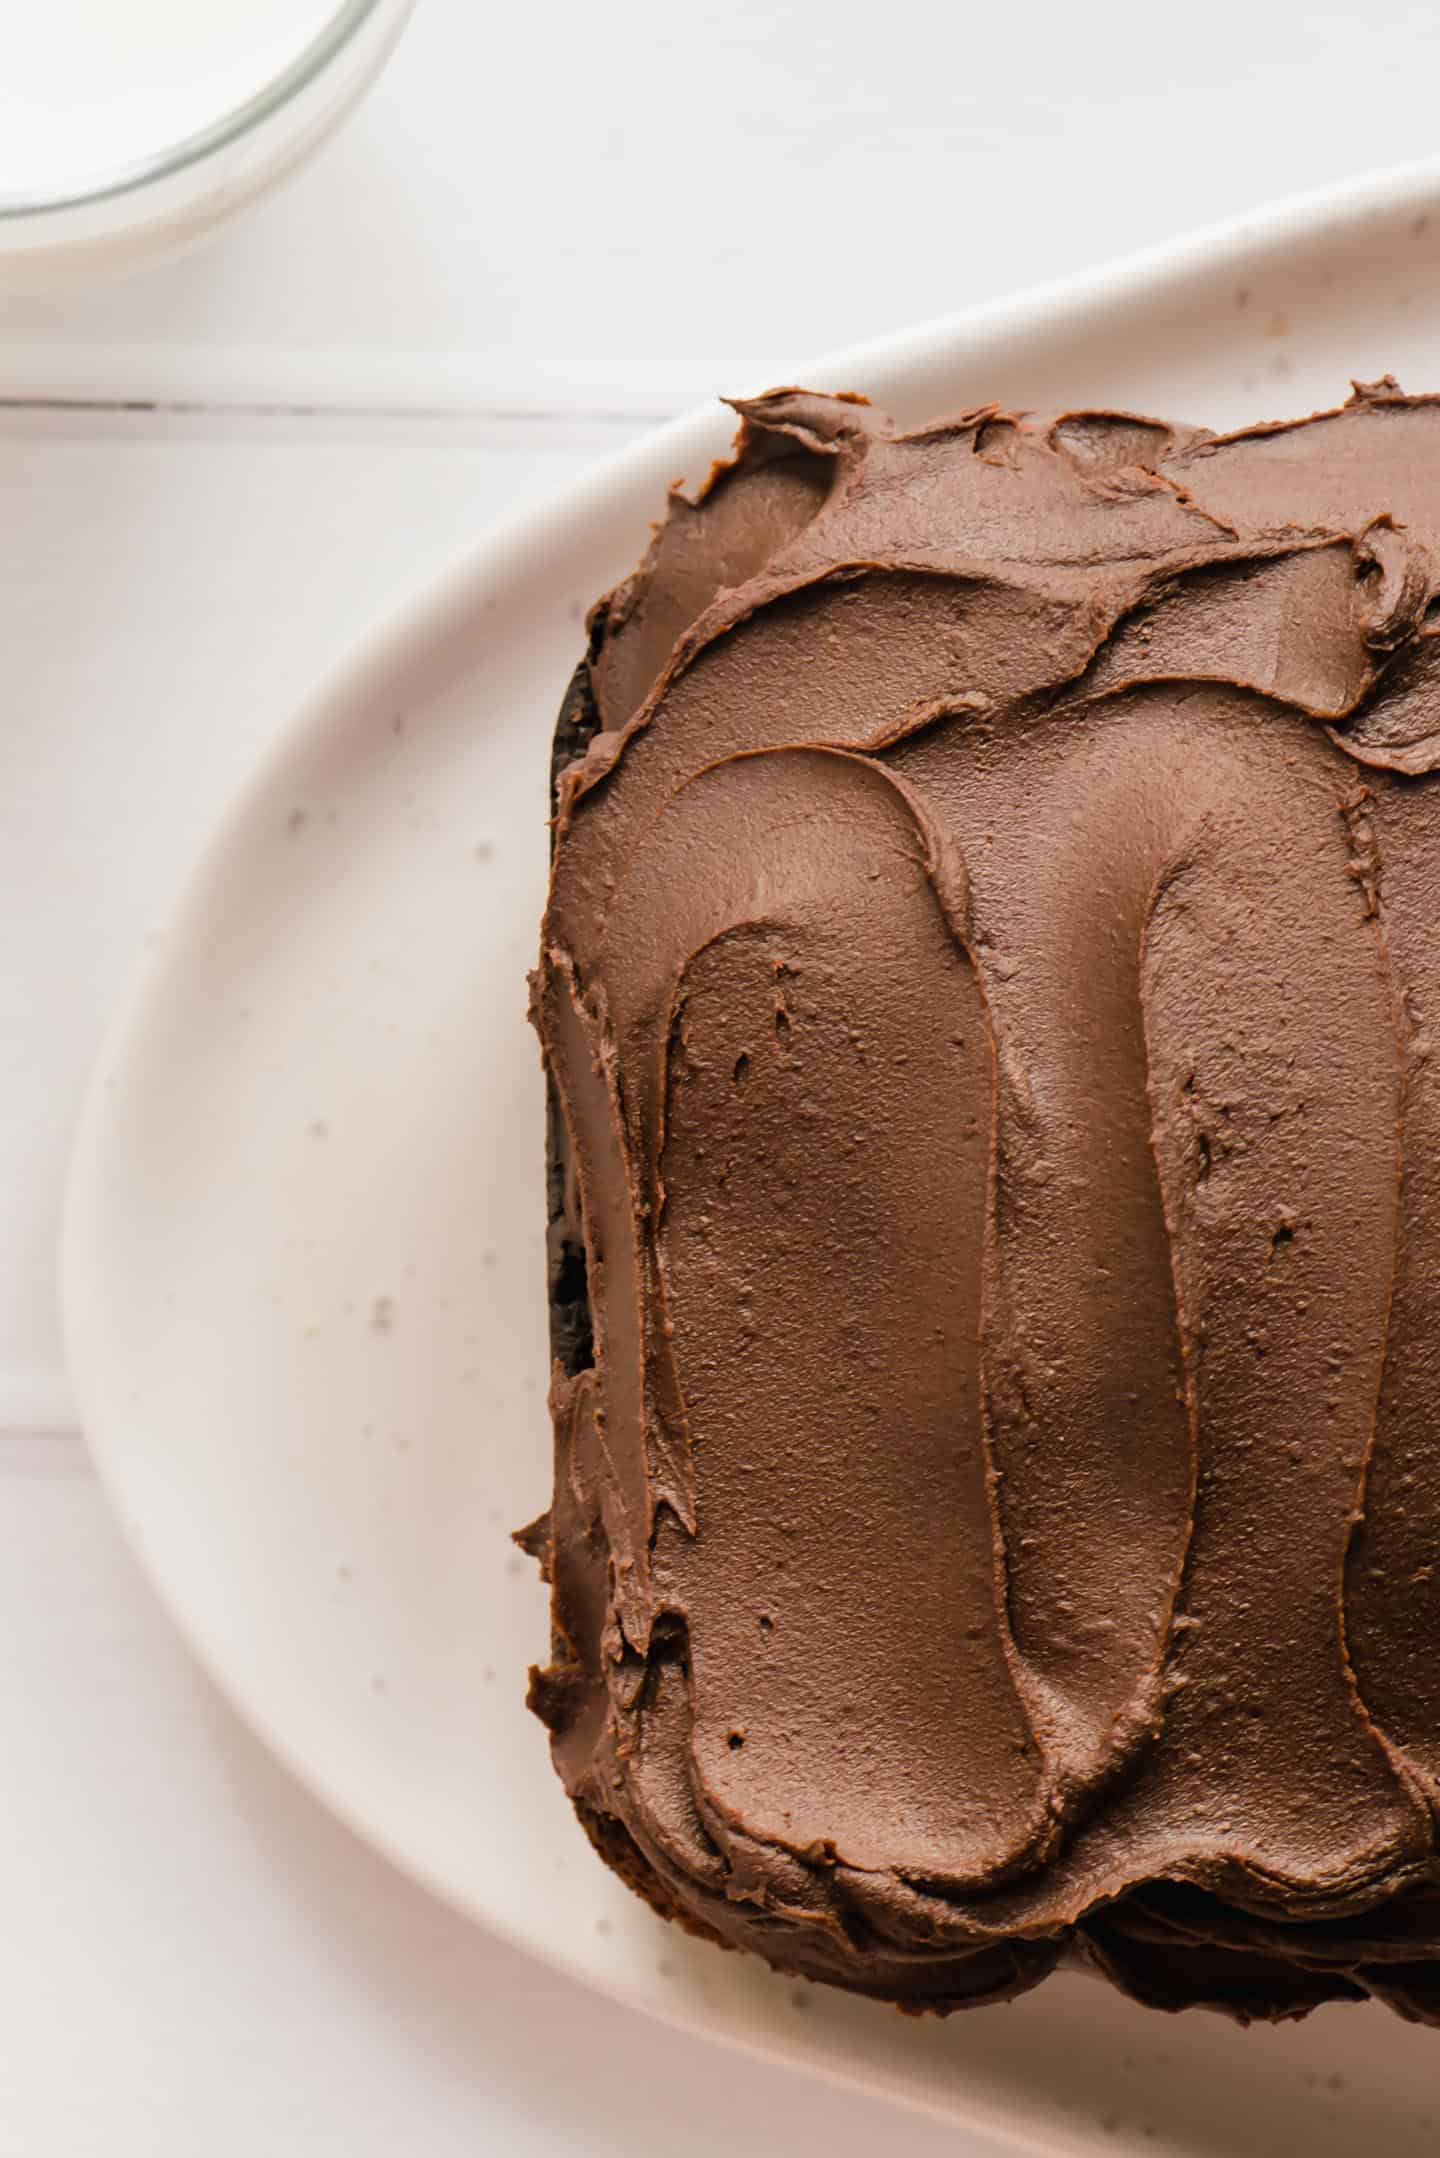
(987, 990)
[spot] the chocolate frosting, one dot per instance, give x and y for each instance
(986, 990)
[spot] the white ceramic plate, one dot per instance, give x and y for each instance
(303, 1267)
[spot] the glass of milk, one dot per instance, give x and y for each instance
(128, 128)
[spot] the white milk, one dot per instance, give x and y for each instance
(89, 87)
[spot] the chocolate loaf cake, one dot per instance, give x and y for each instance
(987, 994)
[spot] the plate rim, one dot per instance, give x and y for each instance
(508, 554)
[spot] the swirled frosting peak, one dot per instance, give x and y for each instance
(987, 991)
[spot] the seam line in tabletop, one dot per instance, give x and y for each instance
(33, 1401)
(309, 408)
(486, 425)
(39, 1455)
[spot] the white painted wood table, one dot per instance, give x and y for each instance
(547, 227)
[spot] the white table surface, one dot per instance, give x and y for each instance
(546, 227)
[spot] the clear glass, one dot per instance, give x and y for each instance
(167, 200)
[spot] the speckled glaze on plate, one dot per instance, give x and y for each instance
(302, 1267)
